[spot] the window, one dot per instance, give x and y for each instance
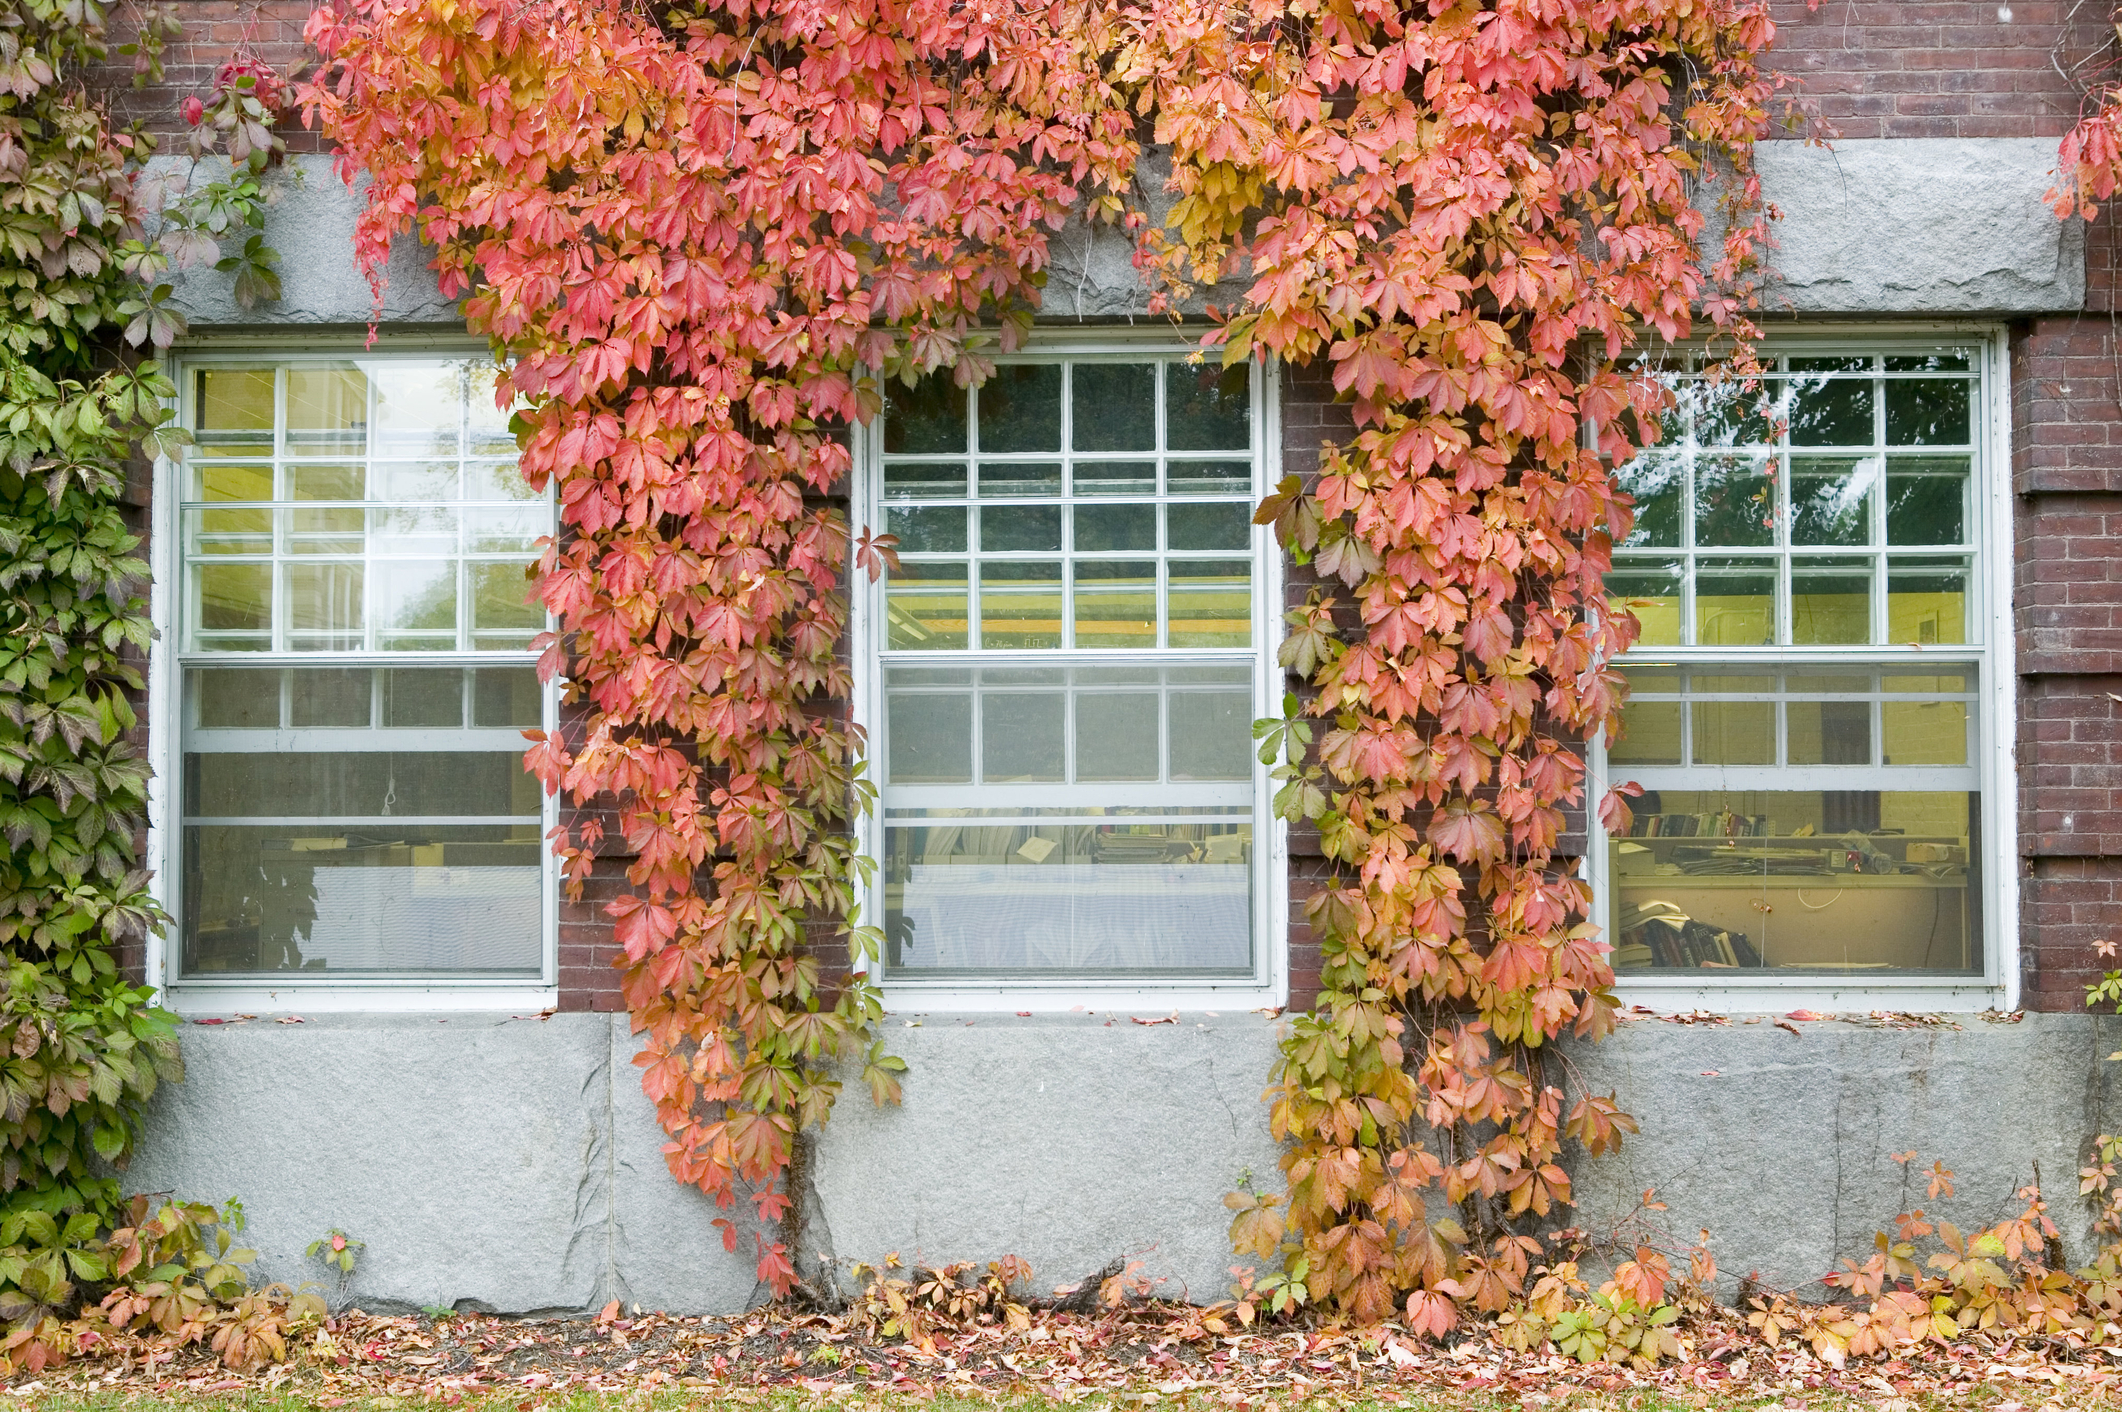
(355, 676)
(1806, 714)
(1070, 659)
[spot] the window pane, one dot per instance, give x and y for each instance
(1650, 734)
(1211, 735)
(512, 529)
(301, 785)
(926, 606)
(1927, 363)
(1020, 736)
(1008, 478)
(925, 419)
(1830, 499)
(924, 480)
(487, 422)
(234, 699)
(1652, 592)
(1926, 601)
(326, 482)
(234, 412)
(507, 697)
(1221, 526)
(1116, 477)
(327, 411)
(1828, 732)
(1207, 408)
(235, 597)
(413, 480)
(416, 600)
(1924, 732)
(1927, 412)
(1830, 411)
(1018, 528)
(931, 529)
(248, 531)
(497, 480)
(1830, 600)
(414, 529)
(1211, 603)
(216, 481)
(1730, 413)
(1926, 501)
(423, 696)
(1020, 604)
(1659, 483)
(1209, 477)
(1735, 602)
(1114, 406)
(1020, 408)
(332, 900)
(1735, 502)
(1116, 736)
(1116, 603)
(1100, 528)
(504, 613)
(329, 698)
(1837, 882)
(419, 408)
(1734, 732)
(931, 738)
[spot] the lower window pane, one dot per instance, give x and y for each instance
(986, 893)
(327, 900)
(1845, 881)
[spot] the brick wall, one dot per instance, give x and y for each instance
(214, 31)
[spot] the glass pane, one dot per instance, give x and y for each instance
(1830, 499)
(1020, 528)
(1930, 680)
(413, 529)
(1927, 412)
(1211, 735)
(1735, 502)
(1650, 734)
(327, 482)
(488, 422)
(930, 737)
(326, 899)
(417, 696)
(504, 612)
(1924, 732)
(1020, 408)
(1830, 600)
(327, 411)
(928, 530)
(1659, 484)
(1730, 413)
(1116, 603)
(1086, 896)
(1207, 408)
(507, 698)
(214, 481)
(1834, 881)
(1101, 528)
(497, 480)
(1020, 737)
(925, 606)
(1826, 682)
(328, 698)
(1113, 406)
(1209, 477)
(233, 411)
(1734, 732)
(235, 597)
(359, 784)
(413, 480)
(925, 419)
(1116, 477)
(1729, 683)
(999, 479)
(1211, 603)
(1020, 604)
(1928, 363)
(341, 529)
(225, 699)
(1828, 732)
(237, 531)
(1116, 735)
(924, 480)
(1220, 526)
(419, 408)
(1652, 592)
(1926, 601)
(512, 529)
(1830, 411)
(1735, 602)
(417, 596)
(1926, 500)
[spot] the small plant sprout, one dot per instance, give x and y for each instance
(337, 1250)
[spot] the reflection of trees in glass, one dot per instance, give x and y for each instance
(247, 904)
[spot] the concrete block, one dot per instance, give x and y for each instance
(1781, 1145)
(467, 1151)
(310, 221)
(1058, 1139)
(1919, 226)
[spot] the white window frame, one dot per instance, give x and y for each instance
(165, 680)
(1995, 725)
(1268, 985)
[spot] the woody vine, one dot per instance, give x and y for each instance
(706, 236)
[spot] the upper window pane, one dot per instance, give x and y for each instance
(407, 527)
